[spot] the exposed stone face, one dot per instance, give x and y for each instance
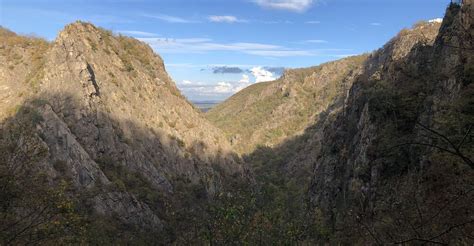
(107, 100)
(360, 178)
(62, 144)
(129, 208)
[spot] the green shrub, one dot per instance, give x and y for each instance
(181, 143)
(128, 66)
(39, 102)
(29, 114)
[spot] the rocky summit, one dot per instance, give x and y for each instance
(99, 112)
(99, 146)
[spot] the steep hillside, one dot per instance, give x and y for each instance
(99, 113)
(397, 165)
(391, 165)
(268, 113)
(307, 146)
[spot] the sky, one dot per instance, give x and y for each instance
(214, 48)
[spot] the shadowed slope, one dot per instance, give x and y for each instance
(101, 112)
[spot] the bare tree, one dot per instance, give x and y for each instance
(449, 145)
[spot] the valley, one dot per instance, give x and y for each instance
(205, 106)
(99, 146)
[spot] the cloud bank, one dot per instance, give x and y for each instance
(262, 75)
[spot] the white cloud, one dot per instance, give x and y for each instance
(137, 33)
(232, 87)
(280, 53)
(245, 79)
(375, 24)
(252, 46)
(316, 41)
(290, 5)
(224, 18)
(313, 22)
(239, 88)
(243, 83)
(186, 82)
(189, 40)
(437, 20)
(262, 75)
(220, 89)
(171, 19)
(223, 87)
(204, 45)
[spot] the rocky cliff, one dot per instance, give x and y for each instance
(99, 111)
(396, 165)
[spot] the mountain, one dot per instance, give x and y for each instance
(98, 146)
(387, 161)
(268, 113)
(98, 114)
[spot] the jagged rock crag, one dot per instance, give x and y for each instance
(104, 103)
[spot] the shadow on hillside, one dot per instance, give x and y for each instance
(363, 189)
(128, 181)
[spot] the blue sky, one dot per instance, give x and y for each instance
(213, 48)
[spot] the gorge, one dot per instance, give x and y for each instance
(99, 146)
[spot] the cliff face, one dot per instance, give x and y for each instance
(396, 165)
(101, 109)
(128, 109)
(268, 113)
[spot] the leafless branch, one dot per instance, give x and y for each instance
(453, 149)
(465, 137)
(420, 240)
(452, 228)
